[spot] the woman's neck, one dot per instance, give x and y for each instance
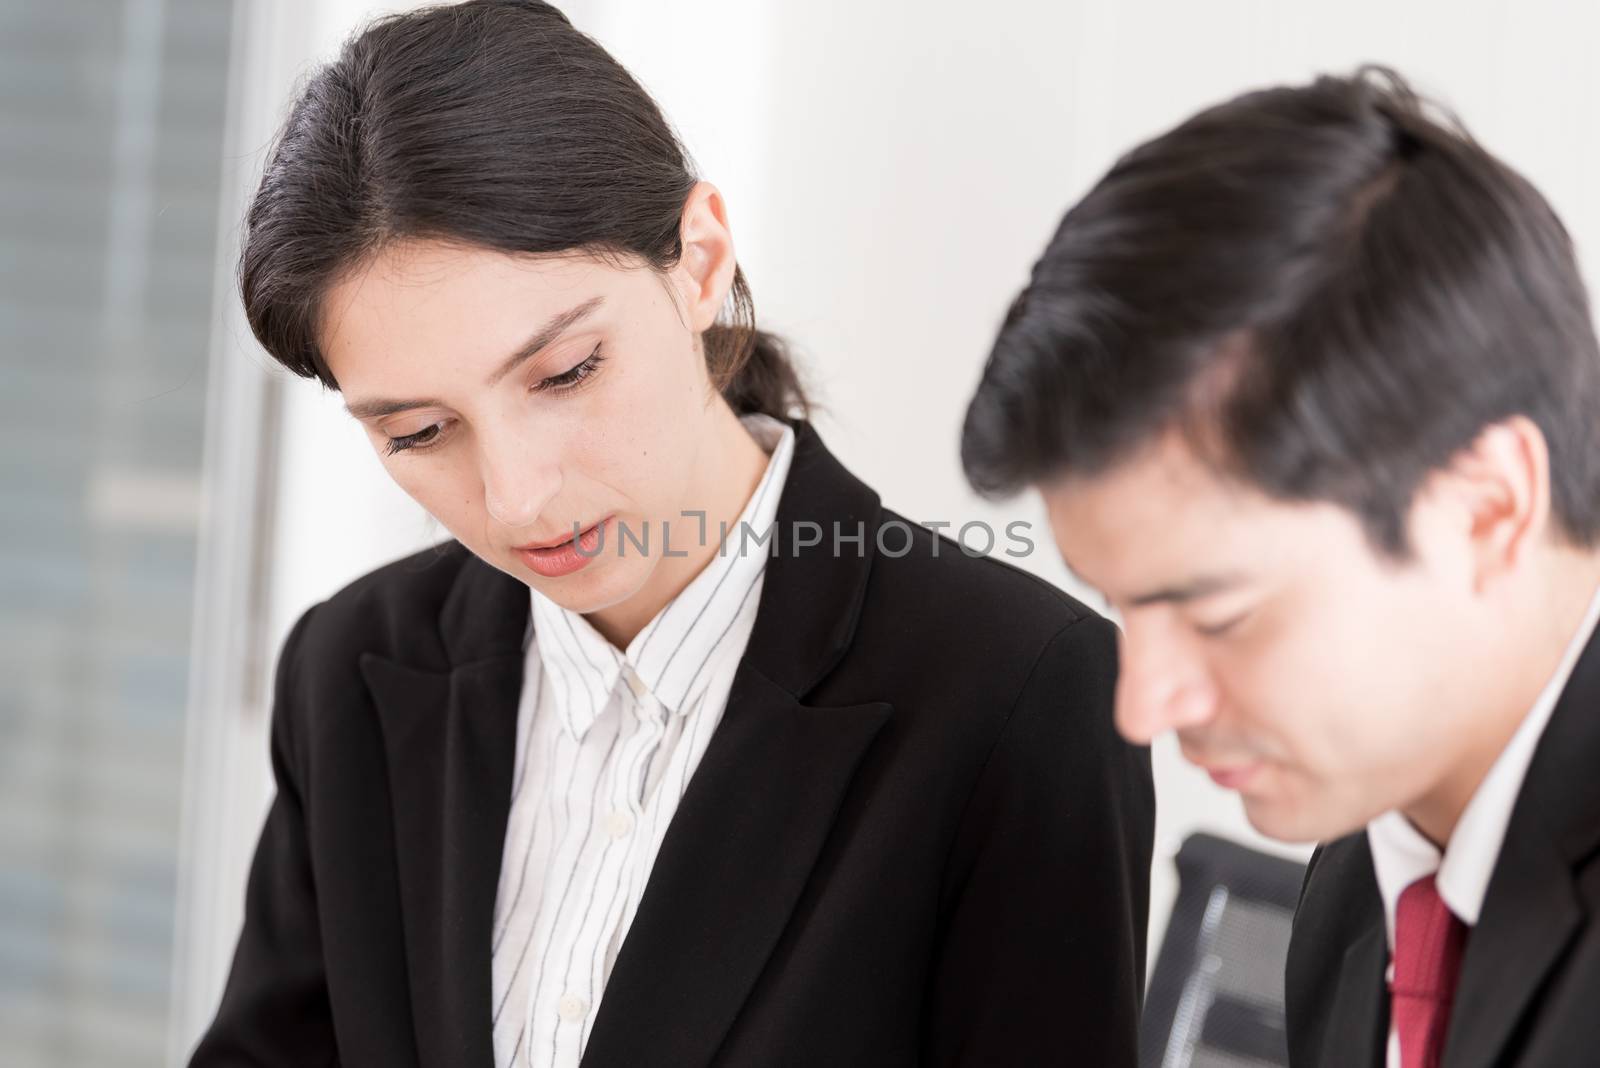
(730, 468)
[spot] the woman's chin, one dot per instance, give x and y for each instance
(603, 582)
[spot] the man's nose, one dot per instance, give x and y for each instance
(1161, 686)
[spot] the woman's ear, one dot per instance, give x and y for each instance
(704, 273)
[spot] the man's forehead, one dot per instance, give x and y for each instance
(1153, 493)
(1159, 528)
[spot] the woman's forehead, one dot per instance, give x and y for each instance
(473, 305)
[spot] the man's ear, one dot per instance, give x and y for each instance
(1498, 491)
(704, 273)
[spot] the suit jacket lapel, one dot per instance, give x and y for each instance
(1359, 1019)
(449, 735)
(758, 810)
(1532, 910)
(731, 868)
(1355, 1025)
(1535, 915)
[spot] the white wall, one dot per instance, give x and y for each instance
(893, 169)
(918, 155)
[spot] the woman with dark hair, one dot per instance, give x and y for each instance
(684, 751)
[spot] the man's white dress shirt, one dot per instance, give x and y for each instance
(607, 743)
(1401, 854)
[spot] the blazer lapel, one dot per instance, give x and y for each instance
(1532, 910)
(449, 736)
(731, 868)
(1359, 1018)
(758, 810)
(1535, 916)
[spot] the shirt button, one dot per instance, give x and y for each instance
(635, 683)
(618, 823)
(572, 1007)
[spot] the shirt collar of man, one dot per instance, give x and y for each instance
(665, 661)
(1401, 854)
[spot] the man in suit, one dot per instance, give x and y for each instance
(1312, 391)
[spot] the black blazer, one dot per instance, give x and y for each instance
(914, 839)
(1529, 990)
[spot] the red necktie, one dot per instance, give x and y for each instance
(1428, 940)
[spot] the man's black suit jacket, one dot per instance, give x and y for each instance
(915, 838)
(1529, 988)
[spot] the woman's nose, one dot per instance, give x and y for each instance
(517, 485)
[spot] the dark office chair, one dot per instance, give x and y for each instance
(1216, 994)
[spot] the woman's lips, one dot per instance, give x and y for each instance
(556, 560)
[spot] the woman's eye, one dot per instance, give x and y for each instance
(571, 377)
(420, 439)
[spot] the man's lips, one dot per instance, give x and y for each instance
(1234, 776)
(1230, 771)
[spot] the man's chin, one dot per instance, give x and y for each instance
(1297, 823)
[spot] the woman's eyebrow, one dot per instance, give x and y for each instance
(373, 409)
(542, 338)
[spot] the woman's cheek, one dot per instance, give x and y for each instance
(447, 498)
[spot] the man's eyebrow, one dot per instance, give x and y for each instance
(1189, 591)
(542, 338)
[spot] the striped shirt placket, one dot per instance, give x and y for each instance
(539, 824)
(536, 687)
(614, 863)
(511, 913)
(539, 910)
(582, 839)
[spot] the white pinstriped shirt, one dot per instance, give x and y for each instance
(607, 742)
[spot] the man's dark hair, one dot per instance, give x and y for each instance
(1330, 290)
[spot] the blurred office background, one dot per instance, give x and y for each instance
(168, 504)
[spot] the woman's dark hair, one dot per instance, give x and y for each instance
(1330, 289)
(491, 123)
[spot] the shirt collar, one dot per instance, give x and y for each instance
(582, 666)
(668, 659)
(1401, 854)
